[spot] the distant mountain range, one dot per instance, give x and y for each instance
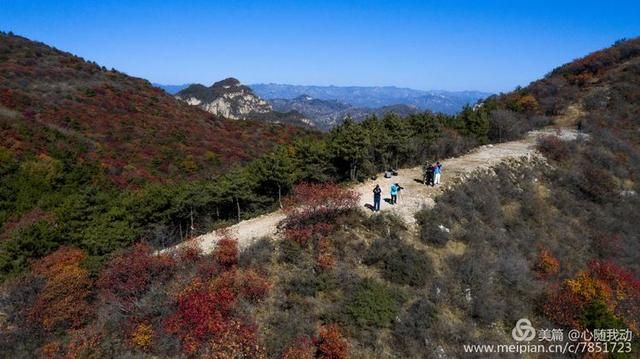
(231, 99)
(322, 107)
(374, 97)
(326, 114)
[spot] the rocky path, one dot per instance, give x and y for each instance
(413, 197)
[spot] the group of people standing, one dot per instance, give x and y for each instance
(377, 195)
(431, 177)
(432, 174)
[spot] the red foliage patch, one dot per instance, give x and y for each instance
(332, 344)
(253, 286)
(247, 284)
(301, 348)
(311, 213)
(62, 303)
(319, 201)
(130, 274)
(236, 340)
(546, 264)
(201, 313)
(303, 235)
(226, 251)
(605, 283)
(188, 254)
(324, 256)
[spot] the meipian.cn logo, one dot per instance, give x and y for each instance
(523, 331)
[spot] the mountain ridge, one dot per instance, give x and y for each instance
(327, 114)
(231, 99)
(52, 101)
(375, 96)
(449, 102)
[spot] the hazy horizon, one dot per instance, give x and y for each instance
(316, 85)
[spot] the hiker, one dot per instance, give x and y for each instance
(428, 175)
(377, 194)
(394, 193)
(400, 188)
(437, 170)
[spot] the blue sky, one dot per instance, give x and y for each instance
(447, 44)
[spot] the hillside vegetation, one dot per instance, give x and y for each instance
(96, 159)
(555, 241)
(83, 149)
(57, 104)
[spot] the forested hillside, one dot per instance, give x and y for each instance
(96, 159)
(82, 148)
(57, 104)
(554, 240)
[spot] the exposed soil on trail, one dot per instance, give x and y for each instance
(412, 198)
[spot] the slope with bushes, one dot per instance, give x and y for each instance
(554, 241)
(60, 105)
(90, 156)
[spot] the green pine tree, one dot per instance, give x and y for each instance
(350, 145)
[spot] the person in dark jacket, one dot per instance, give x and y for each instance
(377, 195)
(428, 175)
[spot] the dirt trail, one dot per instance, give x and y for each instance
(413, 197)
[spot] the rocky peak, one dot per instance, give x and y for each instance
(227, 83)
(227, 98)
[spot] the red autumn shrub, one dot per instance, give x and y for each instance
(303, 235)
(618, 278)
(253, 286)
(528, 103)
(318, 202)
(201, 313)
(324, 258)
(226, 280)
(236, 340)
(56, 262)
(188, 254)
(311, 212)
(62, 303)
(208, 268)
(332, 344)
(226, 251)
(247, 284)
(604, 283)
(547, 264)
(301, 348)
(130, 274)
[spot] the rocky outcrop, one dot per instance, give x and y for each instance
(227, 98)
